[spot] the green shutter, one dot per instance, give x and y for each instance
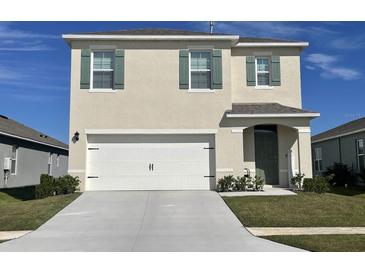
(184, 69)
(275, 71)
(250, 71)
(217, 69)
(118, 69)
(85, 69)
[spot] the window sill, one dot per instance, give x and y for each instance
(264, 87)
(102, 90)
(201, 90)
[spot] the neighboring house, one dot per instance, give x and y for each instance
(25, 154)
(342, 144)
(171, 109)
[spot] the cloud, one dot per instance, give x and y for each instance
(6, 74)
(271, 29)
(12, 39)
(327, 65)
(350, 43)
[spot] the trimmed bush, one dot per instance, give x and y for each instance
(227, 183)
(341, 174)
(318, 184)
(50, 186)
(259, 183)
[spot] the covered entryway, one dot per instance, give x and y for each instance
(150, 162)
(266, 153)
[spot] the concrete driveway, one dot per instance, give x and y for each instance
(144, 221)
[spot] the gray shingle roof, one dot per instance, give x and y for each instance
(12, 127)
(155, 31)
(161, 31)
(355, 125)
(265, 108)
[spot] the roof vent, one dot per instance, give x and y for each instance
(4, 117)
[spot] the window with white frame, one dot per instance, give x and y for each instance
(102, 69)
(262, 71)
(360, 154)
(50, 164)
(318, 159)
(14, 157)
(58, 160)
(200, 69)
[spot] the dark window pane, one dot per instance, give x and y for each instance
(361, 162)
(13, 166)
(200, 79)
(263, 79)
(103, 79)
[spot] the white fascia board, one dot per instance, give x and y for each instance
(148, 37)
(339, 135)
(151, 131)
(274, 115)
(31, 140)
(272, 44)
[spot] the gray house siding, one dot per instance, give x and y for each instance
(339, 149)
(32, 161)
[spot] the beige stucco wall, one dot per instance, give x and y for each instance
(152, 100)
(288, 93)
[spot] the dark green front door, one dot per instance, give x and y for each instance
(266, 153)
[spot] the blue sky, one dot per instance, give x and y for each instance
(35, 64)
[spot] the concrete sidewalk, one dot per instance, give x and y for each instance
(270, 231)
(10, 235)
(144, 221)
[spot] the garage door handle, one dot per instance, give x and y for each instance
(152, 167)
(149, 167)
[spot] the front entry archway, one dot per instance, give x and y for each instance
(266, 153)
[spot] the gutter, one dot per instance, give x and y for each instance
(339, 135)
(273, 115)
(272, 44)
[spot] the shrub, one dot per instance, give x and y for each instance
(259, 183)
(227, 183)
(50, 186)
(46, 187)
(318, 184)
(241, 183)
(297, 180)
(66, 184)
(342, 174)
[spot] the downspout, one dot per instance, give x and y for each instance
(339, 149)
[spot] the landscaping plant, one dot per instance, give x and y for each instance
(259, 183)
(342, 174)
(297, 180)
(227, 183)
(50, 186)
(318, 184)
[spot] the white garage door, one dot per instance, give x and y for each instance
(142, 165)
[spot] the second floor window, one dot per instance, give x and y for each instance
(102, 69)
(262, 71)
(200, 69)
(318, 159)
(360, 154)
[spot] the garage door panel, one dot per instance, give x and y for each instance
(127, 166)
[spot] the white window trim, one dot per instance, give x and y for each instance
(200, 90)
(92, 89)
(317, 158)
(256, 72)
(357, 152)
(58, 160)
(16, 159)
(50, 164)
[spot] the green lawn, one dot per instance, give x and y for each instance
(20, 212)
(323, 243)
(342, 207)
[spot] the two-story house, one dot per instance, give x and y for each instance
(158, 109)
